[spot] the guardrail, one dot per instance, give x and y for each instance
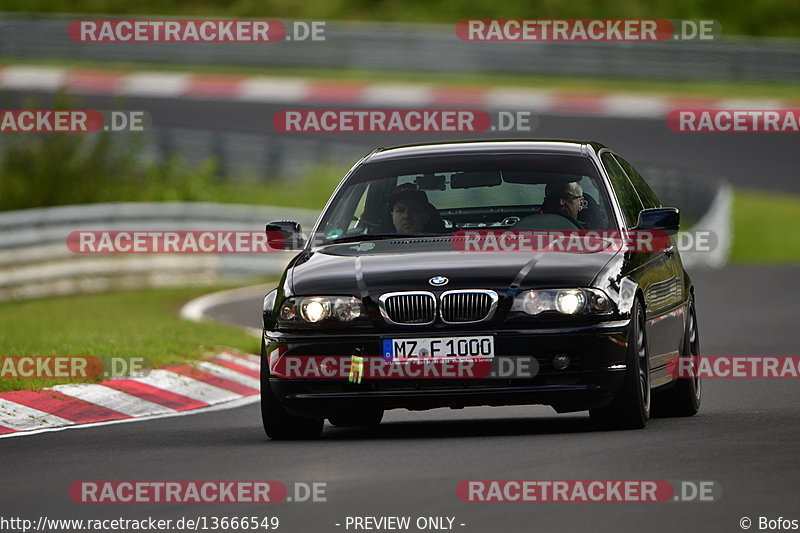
(426, 48)
(36, 262)
(265, 157)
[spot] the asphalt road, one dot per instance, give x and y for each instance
(745, 437)
(758, 160)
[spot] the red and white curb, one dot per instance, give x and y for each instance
(299, 91)
(228, 378)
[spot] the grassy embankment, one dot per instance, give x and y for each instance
(738, 17)
(139, 323)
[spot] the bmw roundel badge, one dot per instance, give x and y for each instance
(438, 281)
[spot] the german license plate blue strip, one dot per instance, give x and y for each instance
(388, 354)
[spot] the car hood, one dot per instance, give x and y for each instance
(373, 268)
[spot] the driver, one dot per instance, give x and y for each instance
(410, 210)
(566, 199)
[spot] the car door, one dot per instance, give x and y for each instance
(651, 270)
(669, 325)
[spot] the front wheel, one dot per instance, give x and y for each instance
(630, 408)
(278, 423)
(683, 398)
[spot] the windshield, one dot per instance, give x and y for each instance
(441, 195)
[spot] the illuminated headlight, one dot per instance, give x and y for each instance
(570, 302)
(564, 301)
(314, 309)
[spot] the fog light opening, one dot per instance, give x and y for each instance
(560, 361)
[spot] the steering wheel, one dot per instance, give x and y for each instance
(363, 224)
(547, 221)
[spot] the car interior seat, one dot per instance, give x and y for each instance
(592, 215)
(545, 221)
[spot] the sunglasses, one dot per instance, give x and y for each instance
(565, 196)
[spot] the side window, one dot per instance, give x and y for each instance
(647, 195)
(628, 199)
(358, 212)
(346, 217)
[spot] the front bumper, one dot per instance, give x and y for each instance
(522, 371)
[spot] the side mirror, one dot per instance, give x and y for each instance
(666, 219)
(285, 235)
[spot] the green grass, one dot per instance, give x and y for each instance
(738, 17)
(145, 323)
(688, 88)
(311, 192)
(43, 170)
(141, 323)
(765, 227)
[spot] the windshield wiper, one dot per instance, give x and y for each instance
(362, 238)
(376, 237)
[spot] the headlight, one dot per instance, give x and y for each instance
(315, 309)
(288, 310)
(347, 309)
(564, 301)
(570, 302)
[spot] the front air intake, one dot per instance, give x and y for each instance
(468, 305)
(408, 308)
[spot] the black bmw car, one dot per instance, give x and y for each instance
(413, 291)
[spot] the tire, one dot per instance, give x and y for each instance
(683, 398)
(278, 423)
(370, 417)
(630, 408)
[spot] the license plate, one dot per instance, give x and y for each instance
(438, 348)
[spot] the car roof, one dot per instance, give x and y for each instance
(582, 148)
